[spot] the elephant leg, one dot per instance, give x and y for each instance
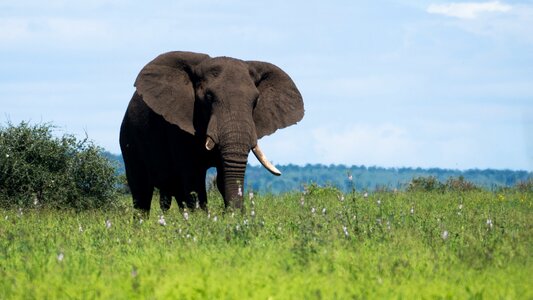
(141, 190)
(165, 200)
(142, 199)
(193, 191)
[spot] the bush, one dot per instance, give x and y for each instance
(37, 169)
(460, 185)
(432, 184)
(525, 186)
(425, 184)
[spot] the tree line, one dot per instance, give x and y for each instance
(362, 178)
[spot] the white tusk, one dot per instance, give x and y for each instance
(209, 143)
(264, 161)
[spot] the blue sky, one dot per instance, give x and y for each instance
(387, 83)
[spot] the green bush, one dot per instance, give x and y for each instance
(459, 184)
(38, 169)
(432, 184)
(425, 184)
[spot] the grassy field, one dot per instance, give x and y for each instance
(320, 245)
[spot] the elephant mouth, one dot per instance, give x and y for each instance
(210, 144)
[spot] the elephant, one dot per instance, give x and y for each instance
(191, 112)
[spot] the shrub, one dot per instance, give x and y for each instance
(460, 185)
(37, 169)
(431, 184)
(525, 186)
(425, 184)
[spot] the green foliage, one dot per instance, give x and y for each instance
(319, 245)
(426, 184)
(37, 169)
(432, 184)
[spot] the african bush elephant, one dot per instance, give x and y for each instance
(191, 112)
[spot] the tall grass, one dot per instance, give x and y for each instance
(317, 245)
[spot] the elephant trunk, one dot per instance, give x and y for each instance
(236, 140)
(234, 160)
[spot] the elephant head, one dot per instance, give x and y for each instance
(228, 103)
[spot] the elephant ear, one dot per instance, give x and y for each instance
(166, 87)
(280, 104)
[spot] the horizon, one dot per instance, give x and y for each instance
(404, 84)
(258, 165)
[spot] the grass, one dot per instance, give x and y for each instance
(315, 246)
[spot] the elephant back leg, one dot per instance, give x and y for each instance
(141, 188)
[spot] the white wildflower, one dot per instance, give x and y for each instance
(461, 206)
(445, 234)
(186, 215)
(251, 196)
(350, 177)
(412, 211)
(162, 221)
(365, 195)
(379, 202)
(245, 222)
(240, 191)
(80, 228)
(345, 230)
(141, 220)
(341, 197)
(252, 213)
(60, 257)
(107, 224)
(302, 201)
(324, 211)
(313, 210)
(489, 223)
(7, 155)
(215, 218)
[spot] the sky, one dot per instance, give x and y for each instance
(385, 83)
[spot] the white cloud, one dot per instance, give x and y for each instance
(468, 10)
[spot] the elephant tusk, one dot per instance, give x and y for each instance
(209, 143)
(264, 161)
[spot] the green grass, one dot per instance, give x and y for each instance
(356, 249)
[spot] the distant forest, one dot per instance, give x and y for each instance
(294, 177)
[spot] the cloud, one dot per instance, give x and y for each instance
(468, 10)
